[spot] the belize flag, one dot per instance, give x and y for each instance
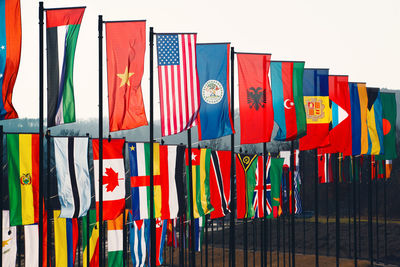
(10, 54)
(287, 99)
(213, 69)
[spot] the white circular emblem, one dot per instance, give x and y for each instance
(212, 92)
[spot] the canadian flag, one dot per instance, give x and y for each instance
(113, 177)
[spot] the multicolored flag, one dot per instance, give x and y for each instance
(62, 29)
(198, 233)
(255, 98)
(389, 116)
(275, 175)
(113, 177)
(258, 195)
(288, 102)
(220, 183)
(93, 243)
(115, 241)
(213, 68)
(246, 167)
(9, 242)
(161, 233)
(139, 158)
(23, 178)
(297, 181)
(324, 168)
(340, 139)
(178, 82)
(10, 54)
(172, 240)
(374, 122)
(126, 44)
(318, 111)
(66, 235)
(359, 104)
(139, 234)
(201, 159)
(73, 178)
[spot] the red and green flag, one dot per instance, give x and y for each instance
(246, 166)
(90, 246)
(275, 175)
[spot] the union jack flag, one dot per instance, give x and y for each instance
(258, 196)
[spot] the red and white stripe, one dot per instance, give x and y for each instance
(179, 89)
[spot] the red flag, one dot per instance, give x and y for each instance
(255, 98)
(126, 43)
(340, 134)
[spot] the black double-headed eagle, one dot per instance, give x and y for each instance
(256, 97)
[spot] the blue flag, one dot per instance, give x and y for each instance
(139, 237)
(213, 69)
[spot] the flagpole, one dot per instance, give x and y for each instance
(264, 224)
(48, 196)
(316, 205)
(152, 220)
(87, 230)
(1, 190)
(376, 208)
(336, 180)
(100, 170)
(293, 204)
(206, 240)
(41, 130)
(354, 210)
(303, 182)
(233, 207)
(370, 255)
(384, 209)
(192, 233)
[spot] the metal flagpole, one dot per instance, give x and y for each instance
(181, 241)
(270, 241)
(369, 179)
(327, 215)
(384, 209)
(349, 217)
(100, 170)
(212, 243)
(151, 128)
(1, 190)
(245, 242)
(48, 197)
(293, 205)
(223, 241)
(254, 242)
(206, 239)
(87, 231)
(264, 222)
(354, 210)
(316, 205)
(359, 206)
(41, 130)
(336, 180)
(278, 238)
(303, 182)
(192, 233)
(376, 208)
(232, 251)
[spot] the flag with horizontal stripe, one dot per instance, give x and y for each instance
(126, 44)
(115, 241)
(90, 246)
(62, 30)
(317, 108)
(139, 159)
(139, 234)
(66, 235)
(287, 99)
(9, 242)
(113, 177)
(246, 166)
(201, 159)
(255, 98)
(23, 178)
(359, 104)
(73, 180)
(213, 68)
(178, 82)
(374, 122)
(10, 54)
(220, 183)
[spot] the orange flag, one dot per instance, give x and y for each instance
(126, 43)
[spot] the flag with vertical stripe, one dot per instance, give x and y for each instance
(139, 234)
(115, 241)
(93, 242)
(62, 36)
(73, 180)
(178, 82)
(359, 104)
(10, 54)
(23, 178)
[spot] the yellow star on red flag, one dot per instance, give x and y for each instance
(125, 77)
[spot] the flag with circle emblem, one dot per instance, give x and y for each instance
(389, 115)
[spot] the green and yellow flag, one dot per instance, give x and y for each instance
(93, 239)
(23, 178)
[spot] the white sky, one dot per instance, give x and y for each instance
(360, 38)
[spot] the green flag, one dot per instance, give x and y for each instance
(389, 111)
(275, 174)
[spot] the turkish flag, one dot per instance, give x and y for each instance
(126, 43)
(255, 98)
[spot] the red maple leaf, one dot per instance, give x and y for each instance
(111, 180)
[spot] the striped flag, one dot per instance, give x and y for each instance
(113, 177)
(23, 178)
(62, 35)
(161, 234)
(374, 122)
(220, 183)
(65, 239)
(138, 238)
(297, 202)
(258, 196)
(10, 54)
(9, 242)
(73, 178)
(246, 166)
(31, 235)
(115, 241)
(201, 159)
(324, 168)
(359, 103)
(178, 82)
(275, 175)
(93, 239)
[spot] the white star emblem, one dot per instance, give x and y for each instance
(3, 47)
(194, 156)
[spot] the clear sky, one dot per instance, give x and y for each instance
(360, 38)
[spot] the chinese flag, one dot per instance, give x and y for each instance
(126, 43)
(255, 98)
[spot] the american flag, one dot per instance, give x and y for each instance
(178, 82)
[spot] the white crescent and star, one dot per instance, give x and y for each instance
(287, 105)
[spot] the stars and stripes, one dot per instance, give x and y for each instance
(178, 82)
